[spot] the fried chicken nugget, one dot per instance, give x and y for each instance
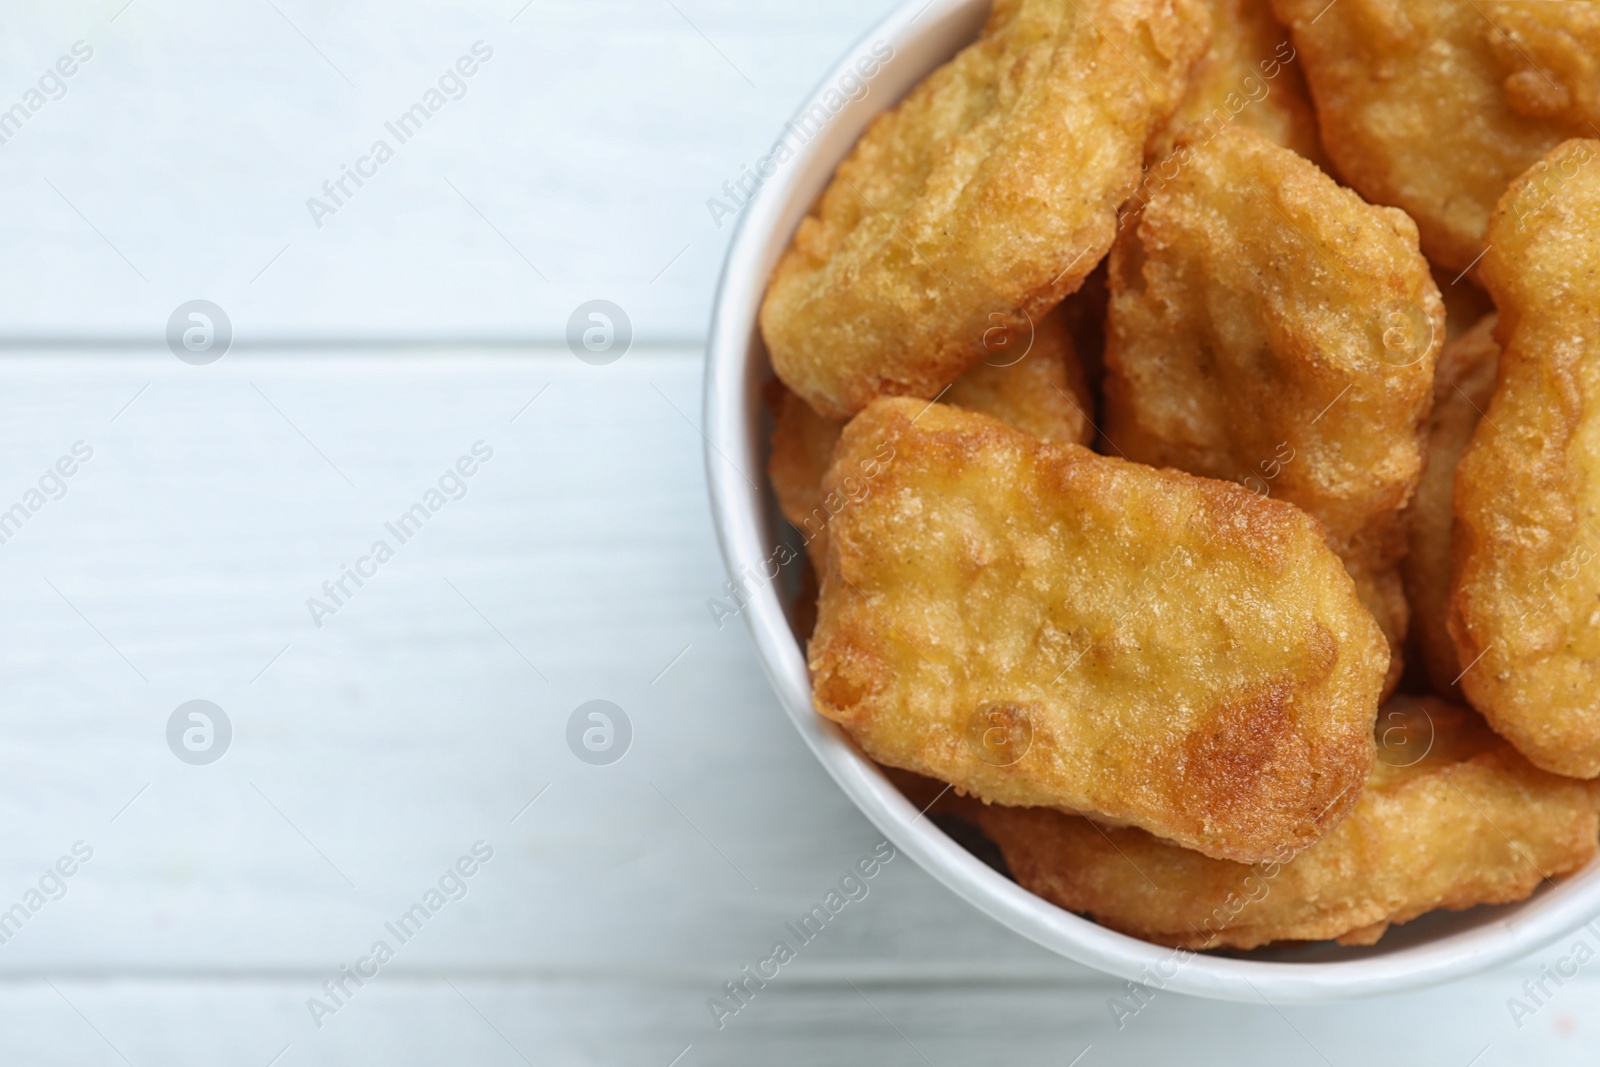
(1525, 604)
(1462, 387)
(1248, 76)
(992, 190)
(802, 447)
(1550, 58)
(1269, 327)
(1428, 106)
(1041, 625)
(1452, 816)
(1044, 392)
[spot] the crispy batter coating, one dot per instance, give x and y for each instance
(1269, 327)
(1043, 626)
(1525, 606)
(1452, 816)
(1249, 76)
(1428, 106)
(802, 447)
(991, 190)
(1043, 391)
(1462, 387)
(1550, 56)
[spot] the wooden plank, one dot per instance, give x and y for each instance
(576, 163)
(465, 1018)
(381, 746)
(425, 714)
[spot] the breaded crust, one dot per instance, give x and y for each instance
(1043, 392)
(1471, 822)
(1462, 387)
(1269, 327)
(1039, 387)
(802, 447)
(1249, 76)
(991, 190)
(1427, 105)
(1043, 626)
(1549, 55)
(1525, 605)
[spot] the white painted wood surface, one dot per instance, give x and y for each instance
(576, 164)
(375, 750)
(369, 754)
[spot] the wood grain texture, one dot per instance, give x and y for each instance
(406, 728)
(372, 752)
(576, 165)
(508, 1022)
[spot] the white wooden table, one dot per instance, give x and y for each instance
(430, 711)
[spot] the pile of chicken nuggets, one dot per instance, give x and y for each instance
(1191, 410)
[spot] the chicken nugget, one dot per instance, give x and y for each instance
(991, 190)
(1041, 625)
(1269, 327)
(1043, 391)
(1550, 56)
(1249, 76)
(1433, 106)
(1462, 387)
(1452, 816)
(802, 447)
(1525, 603)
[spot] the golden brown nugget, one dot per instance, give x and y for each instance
(1462, 387)
(1451, 817)
(802, 447)
(1248, 76)
(1269, 327)
(1550, 56)
(991, 190)
(1426, 105)
(1041, 625)
(1525, 604)
(1043, 391)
